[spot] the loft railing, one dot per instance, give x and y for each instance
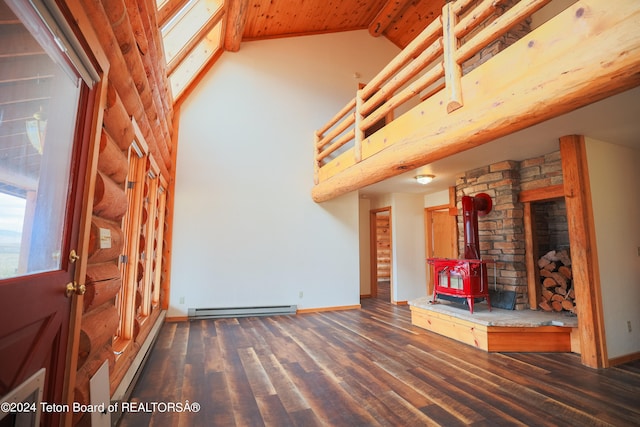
(430, 63)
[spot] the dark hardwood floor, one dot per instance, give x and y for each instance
(367, 367)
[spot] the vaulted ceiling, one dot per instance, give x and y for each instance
(197, 32)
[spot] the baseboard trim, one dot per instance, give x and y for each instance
(124, 389)
(334, 308)
(176, 319)
(624, 359)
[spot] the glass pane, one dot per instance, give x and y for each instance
(186, 24)
(38, 108)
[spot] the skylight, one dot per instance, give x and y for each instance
(191, 35)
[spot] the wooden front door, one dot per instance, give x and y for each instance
(42, 168)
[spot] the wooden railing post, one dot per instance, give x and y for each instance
(452, 69)
(359, 133)
(316, 158)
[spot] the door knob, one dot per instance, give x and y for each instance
(73, 256)
(74, 288)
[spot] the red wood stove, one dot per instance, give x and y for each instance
(465, 278)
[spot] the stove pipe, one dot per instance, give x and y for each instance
(472, 207)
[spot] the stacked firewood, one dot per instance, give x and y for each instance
(557, 285)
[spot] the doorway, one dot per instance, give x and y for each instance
(381, 254)
(440, 237)
(44, 145)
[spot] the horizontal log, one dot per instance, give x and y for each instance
(98, 328)
(412, 50)
(148, 12)
(110, 199)
(100, 292)
(101, 253)
(501, 25)
(335, 119)
(407, 73)
(112, 161)
(121, 79)
(117, 121)
(103, 271)
(123, 32)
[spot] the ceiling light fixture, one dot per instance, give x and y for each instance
(424, 179)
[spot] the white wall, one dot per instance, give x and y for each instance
(408, 258)
(614, 176)
(436, 199)
(246, 231)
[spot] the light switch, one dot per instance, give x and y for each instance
(105, 238)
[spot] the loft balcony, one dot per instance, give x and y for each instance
(584, 53)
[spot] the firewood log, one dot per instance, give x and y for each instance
(542, 262)
(545, 273)
(547, 294)
(556, 306)
(563, 257)
(559, 278)
(549, 282)
(545, 306)
(565, 271)
(551, 266)
(568, 305)
(551, 256)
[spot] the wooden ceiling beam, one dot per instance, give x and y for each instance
(385, 17)
(237, 11)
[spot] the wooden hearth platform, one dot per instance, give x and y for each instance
(498, 329)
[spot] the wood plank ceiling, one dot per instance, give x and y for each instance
(197, 32)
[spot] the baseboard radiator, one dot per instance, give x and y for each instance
(222, 312)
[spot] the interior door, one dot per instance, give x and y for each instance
(381, 253)
(42, 169)
(440, 229)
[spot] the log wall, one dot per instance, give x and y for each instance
(138, 107)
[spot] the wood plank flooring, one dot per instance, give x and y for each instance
(367, 367)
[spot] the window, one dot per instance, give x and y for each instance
(143, 228)
(41, 79)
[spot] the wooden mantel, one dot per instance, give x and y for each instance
(586, 53)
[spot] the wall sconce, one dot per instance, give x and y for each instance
(424, 179)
